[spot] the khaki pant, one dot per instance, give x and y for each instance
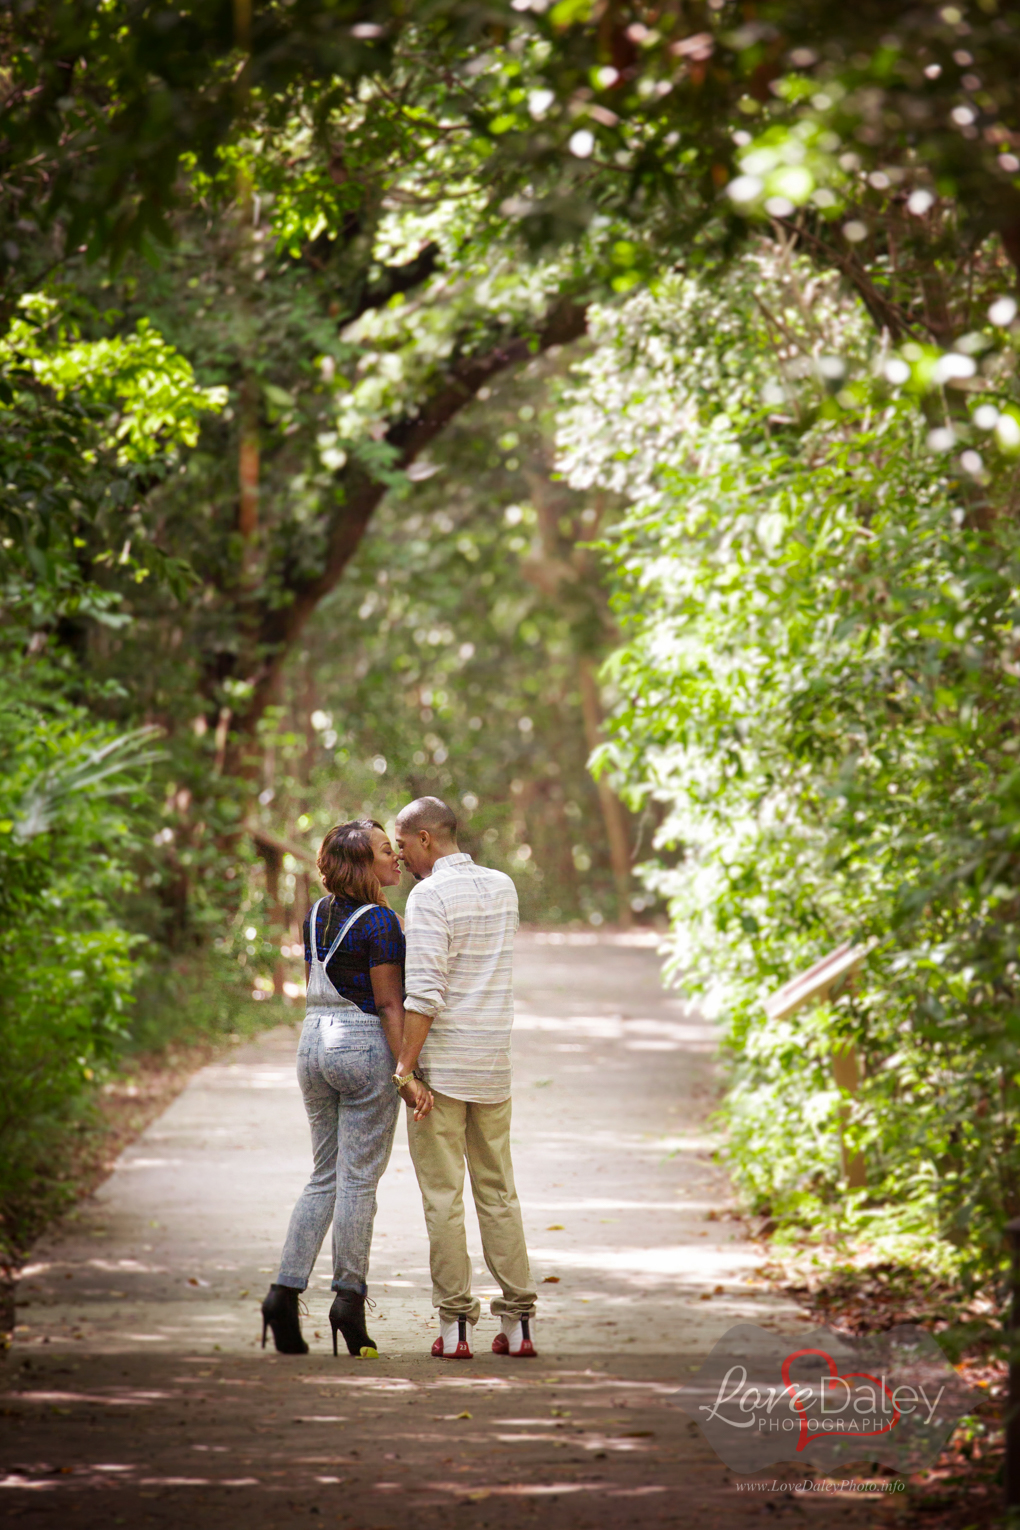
(453, 1131)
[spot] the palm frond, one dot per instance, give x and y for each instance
(101, 770)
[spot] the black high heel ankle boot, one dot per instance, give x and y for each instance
(348, 1315)
(280, 1313)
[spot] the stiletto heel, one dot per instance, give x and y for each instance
(347, 1315)
(280, 1313)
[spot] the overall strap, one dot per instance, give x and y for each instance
(313, 943)
(352, 920)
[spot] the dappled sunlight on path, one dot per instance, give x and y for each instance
(137, 1372)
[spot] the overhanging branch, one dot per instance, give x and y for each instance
(453, 388)
(395, 280)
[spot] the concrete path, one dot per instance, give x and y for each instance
(625, 1210)
(640, 1264)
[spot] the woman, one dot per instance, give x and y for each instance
(354, 952)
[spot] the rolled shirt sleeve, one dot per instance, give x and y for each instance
(427, 931)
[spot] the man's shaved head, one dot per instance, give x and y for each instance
(428, 813)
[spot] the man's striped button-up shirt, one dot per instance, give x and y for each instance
(460, 924)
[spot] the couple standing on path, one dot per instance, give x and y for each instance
(450, 1041)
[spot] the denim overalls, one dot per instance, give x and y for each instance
(344, 1068)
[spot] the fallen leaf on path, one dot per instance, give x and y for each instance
(551, 1280)
(556, 1227)
(720, 1291)
(706, 1296)
(462, 1415)
(368, 1351)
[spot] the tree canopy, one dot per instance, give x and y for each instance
(419, 398)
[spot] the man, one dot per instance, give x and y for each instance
(458, 1011)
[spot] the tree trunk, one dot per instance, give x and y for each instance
(612, 807)
(248, 478)
(272, 858)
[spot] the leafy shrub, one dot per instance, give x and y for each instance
(821, 693)
(67, 962)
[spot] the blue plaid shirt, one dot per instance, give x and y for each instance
(375, 941)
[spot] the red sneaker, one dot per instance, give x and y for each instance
(516, 1337)
(453, 1342)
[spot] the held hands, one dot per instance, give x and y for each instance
(417, 1094)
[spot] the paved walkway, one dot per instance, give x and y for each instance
(137, 1385)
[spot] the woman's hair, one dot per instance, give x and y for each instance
(345, 862)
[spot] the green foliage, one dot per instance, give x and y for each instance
(149, 387)
(199, 998)
(837, 112)
(576, 115)
(93, 154)
(86, 427)
(448, 662)
(821, 691)
(67, 785)
(885, 117)
(284, 249)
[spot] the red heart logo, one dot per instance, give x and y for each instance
(805, 1437)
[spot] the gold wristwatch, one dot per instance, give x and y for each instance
(400, 1079)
